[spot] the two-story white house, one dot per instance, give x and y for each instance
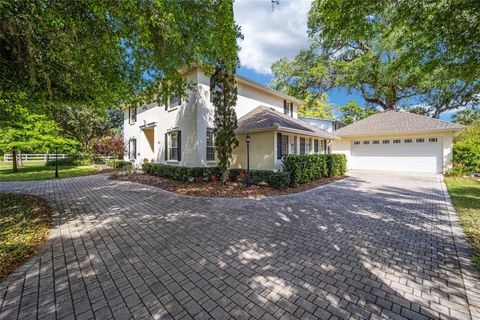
(181, 133)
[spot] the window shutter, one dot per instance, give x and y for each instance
(166, 146)
(291, 109)
(285, 110)
(166, 104)
(135, 114)
(179, 145)
(129, 148)
(279, 146)
(129, 116)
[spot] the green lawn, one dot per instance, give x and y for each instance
(465, 194)
(38, 171)
(24, 225)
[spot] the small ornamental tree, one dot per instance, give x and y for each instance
(224, 93)
(110, 146)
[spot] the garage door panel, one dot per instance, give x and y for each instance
(410, 157)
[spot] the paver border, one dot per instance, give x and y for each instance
(471, 277)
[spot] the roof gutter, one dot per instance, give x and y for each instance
(455, 131)
(289, 130)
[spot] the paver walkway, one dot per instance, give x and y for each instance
(374, 245)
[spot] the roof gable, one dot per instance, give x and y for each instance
(394, 121)
(264, 117)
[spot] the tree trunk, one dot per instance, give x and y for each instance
(14, 159)
(437, 112)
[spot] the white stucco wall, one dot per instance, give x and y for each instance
(192, 118)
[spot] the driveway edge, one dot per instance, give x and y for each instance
(471, 279)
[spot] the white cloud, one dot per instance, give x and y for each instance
(270, 35)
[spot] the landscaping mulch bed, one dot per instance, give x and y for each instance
(217, 189)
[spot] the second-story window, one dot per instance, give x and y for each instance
(285, 107)
(132, 115)
(210, 145)
(175, 102)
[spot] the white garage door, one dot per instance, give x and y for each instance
(423, 154)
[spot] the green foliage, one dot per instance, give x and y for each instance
(103, 52)
(224, 92)
(70, 161)
(31, 132)
(466, 156)
(304, 78)
(278, 180)
(468, 116)
(182, 173)
(352, 112)
(389, 52)
(84, 123)
(119, 164)
(466, 152)
(308, 167)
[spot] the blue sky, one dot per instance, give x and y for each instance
(273, 34)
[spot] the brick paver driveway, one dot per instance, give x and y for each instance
(375, 245)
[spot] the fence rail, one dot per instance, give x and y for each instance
(44, 156)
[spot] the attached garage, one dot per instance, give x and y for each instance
(397, 141)
(423, 154)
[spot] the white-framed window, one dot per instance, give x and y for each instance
(285, 107)
(432, 139)
(174, 102)
(210, 145)
(302, 145)
(420, 140)
(173, 147)
(132, 115)
(315, 146)
(407, 140)
(385, 141)
(356, 142)
(397, 141)
(132, 149)
(366, 142)
(376, 142)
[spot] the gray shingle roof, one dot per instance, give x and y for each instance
(267, 118)
(394, 121)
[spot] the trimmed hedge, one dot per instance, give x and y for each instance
(182, 173)
(278, 180)
(308, 167)
(71, 161)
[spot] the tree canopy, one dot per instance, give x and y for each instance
(104, 52)
(352, 112)
(392, 51)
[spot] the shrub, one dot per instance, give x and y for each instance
(70, 161)
(182, 173)
(278, 180)
(466, 157)
(308, 167)
(119, 164)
